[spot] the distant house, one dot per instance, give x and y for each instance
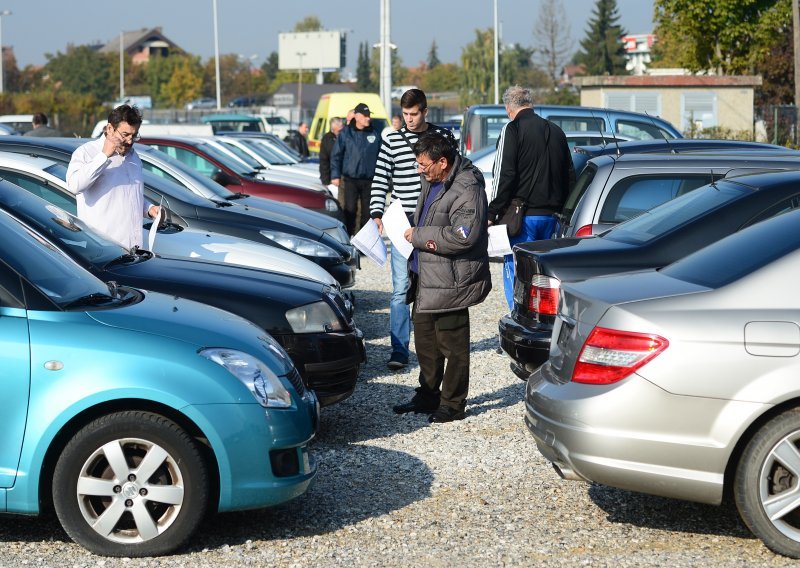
(142, 44)
(687, 101)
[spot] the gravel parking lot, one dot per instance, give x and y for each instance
(392, 490)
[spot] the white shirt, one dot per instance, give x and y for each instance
(109, 191)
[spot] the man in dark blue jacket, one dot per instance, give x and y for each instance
(353, 162)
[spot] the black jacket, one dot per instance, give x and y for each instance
(298, 142)
(325, 151)
(522, 143)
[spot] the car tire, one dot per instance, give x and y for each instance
(103, 500)
(767, 482)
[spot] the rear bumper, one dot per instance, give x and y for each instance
(529, 347)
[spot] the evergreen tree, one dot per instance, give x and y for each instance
(433, 56)
(363, 70)
(602, 51)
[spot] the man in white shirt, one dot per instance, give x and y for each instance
(106, 176)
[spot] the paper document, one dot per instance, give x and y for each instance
(151, 236)
(369, 241)
(498, 241)
(395, 224)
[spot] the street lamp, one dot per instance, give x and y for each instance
(300, 54)
(3, 13)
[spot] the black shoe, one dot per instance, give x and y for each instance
(396, 362)
(446, 414)
(414, 406)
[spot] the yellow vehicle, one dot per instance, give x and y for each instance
(338, 104)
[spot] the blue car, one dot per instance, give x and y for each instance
(135, 413)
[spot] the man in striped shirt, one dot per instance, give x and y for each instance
(395, 173)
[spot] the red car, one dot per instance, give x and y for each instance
(237, 177)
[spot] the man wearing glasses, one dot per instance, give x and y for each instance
(106, 177)
(449, 273)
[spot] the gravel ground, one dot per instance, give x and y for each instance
(393, 490)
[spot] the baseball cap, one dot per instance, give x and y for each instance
(361, 108)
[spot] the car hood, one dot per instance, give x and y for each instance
(196, 324)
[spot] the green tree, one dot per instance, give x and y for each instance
(724, 36)
(602, 51)
(477, 69)
(183, 86)
(159, 71)
(444, 77)
(83, 70)
(308, 24)
(270, 67)
(364, 70)
(433, 57)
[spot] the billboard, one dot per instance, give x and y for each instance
(311, 50)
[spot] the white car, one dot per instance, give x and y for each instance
(269, 158)
(47, 179)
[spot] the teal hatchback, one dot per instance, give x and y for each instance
(134, 413)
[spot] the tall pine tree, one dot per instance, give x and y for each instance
(602, 51)
(433, 56)
(363, 70)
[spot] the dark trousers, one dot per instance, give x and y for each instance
(439, 338)
(356, 191)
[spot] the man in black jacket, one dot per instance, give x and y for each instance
(326, 149)
(532, 163)
(297, 139)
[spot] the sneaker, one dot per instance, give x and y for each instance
(396, 362)
(446, 414)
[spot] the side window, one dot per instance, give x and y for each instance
(11, 295)
(579, 123)
(641, 130)
(494, 124)
(159, 172)
(41, 188)
(635, 195)
(190, 159)
(318, 129)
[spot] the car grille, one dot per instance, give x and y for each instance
(297, 381)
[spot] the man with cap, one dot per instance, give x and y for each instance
(353, 162)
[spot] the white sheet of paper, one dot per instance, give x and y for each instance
(369, 241)
(151, 236)
(395, 224)
(498, 241)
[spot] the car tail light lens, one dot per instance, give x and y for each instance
(468, 144)
(543, 297)
(610, 355)
(585, 231)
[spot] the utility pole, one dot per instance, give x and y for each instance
(796, 42)
(496, 58)
(386, 57)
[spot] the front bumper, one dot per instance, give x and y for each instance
(344, 271)
(635, 435)
(328, 362)
(527, 346)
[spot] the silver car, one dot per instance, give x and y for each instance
(685, 381)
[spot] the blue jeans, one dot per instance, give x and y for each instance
(399, 312)
(534, 228)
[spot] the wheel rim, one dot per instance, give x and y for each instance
(130, 490)
(779, 486)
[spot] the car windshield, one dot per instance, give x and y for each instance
(45, 266)
(226, 159)
(739, 254)
(241, 155)
(674, 214)
(272, 157)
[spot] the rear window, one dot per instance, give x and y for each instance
(739, 254)
(634, 195)
(642, 130)
(579, 123)
(581, 185)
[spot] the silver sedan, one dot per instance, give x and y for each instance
(685, 381)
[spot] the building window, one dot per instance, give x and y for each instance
(644, 102)
(698, 109)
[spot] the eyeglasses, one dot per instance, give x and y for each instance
(423, 167)
(132, 136)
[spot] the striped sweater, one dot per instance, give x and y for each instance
(395, 171)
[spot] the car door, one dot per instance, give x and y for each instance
(15, 373)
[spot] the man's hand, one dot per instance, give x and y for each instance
(379, 223)
(154, 211)
(335, 182)
(408, 233)
(112, 144)
(490, 223)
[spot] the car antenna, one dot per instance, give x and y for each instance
(616, 142)
(671, 149)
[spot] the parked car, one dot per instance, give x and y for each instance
(682, 382)
(204, 102)
(612, 188)
(203, 157)
(582, 153)
(46, 178)
(278, 146)
(483, 123)
(133, 413)
(309, 319)
(269, 159)
(187, 209)
(653, 239)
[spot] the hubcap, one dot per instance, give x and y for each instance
(130, 490)
(779, 486)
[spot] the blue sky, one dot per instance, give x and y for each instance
(251, 27)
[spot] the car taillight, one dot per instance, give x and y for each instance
(468, 144)
(610, 355)
(543, 297)
(585, 231)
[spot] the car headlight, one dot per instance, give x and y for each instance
(301, 245)
(263, 384)
(331, 205)
(314, 318)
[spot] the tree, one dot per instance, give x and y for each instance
(83, 70)
(602, 51)
(308, 24)
(477, 69)
(723, 36)
(444, 77)
(364, 70)
(270, 67)
(183, 86)
(554, 45)
(433, 57)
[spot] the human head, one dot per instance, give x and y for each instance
(397, 122)
(39, 119)
(362, 116)
(517, 98)
(436, 153)
(303, 128)
(337, 123)
(123, 124)
(414, 105)
(350, 115)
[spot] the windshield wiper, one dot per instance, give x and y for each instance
(95, 299)
(222, 203)
(237, 196)
(131, 258)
